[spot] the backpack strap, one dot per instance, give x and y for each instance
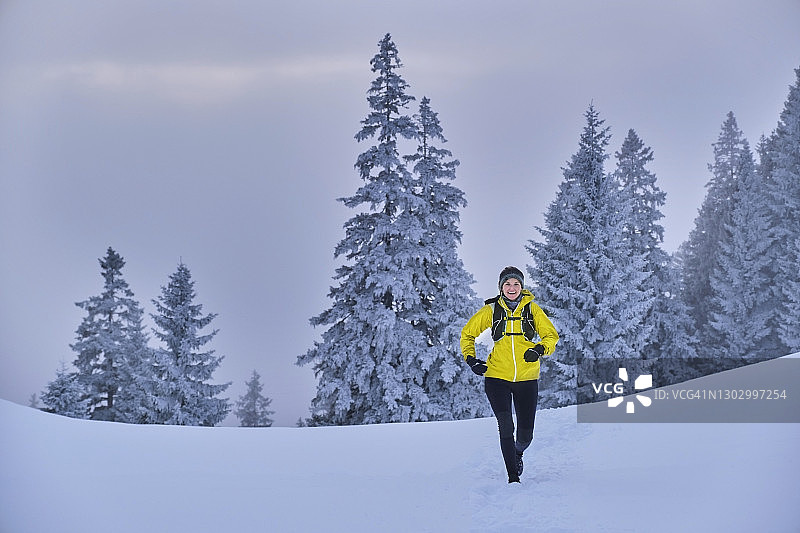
(528, 326)
(500, 317)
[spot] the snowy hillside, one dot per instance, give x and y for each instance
(65, 475)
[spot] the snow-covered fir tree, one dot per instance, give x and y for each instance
(446, 298)
(65, 395)
(386, 355)
(743, 315)
(670, 325)
(771, 198)
(587, 276)
(252, 408)
(139, 378)
(789, 322)
(782, 178)
(182, 394)
(109, 340)
(700, 254)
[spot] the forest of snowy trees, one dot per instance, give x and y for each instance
(389, 351)
(728, 297)
(599, 270)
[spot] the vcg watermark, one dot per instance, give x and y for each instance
(689, 390)
(644, 381)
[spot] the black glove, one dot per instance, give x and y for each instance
(477, 366)
(533, 354)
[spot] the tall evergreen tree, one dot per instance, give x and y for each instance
(670, 333)
(769, 199)
(789, 322)
(782, 176)
(66, 396)
(363, 360)
(252, 408)
(588, 277)
(446, 299)
(700, 254)
(743, 311)
(109, 340)
(385, 356)
(182, 395)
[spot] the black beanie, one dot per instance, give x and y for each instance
(510, 272)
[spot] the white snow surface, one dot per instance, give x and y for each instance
(64, 475)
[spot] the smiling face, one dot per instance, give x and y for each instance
(511, 288)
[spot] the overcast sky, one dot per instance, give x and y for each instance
(221, 133)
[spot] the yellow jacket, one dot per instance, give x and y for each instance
(506, 359)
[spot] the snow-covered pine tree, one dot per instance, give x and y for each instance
(743, 311)
(700, 254)
(446, 299)
(133, 401)
(783, 184)
(670, 333)
(587, 276)
(789, 322)
(383, 357)
(252, 408)
(182, 394)
(365, 361)
(109, 340)
(772, 197)
(65, 395)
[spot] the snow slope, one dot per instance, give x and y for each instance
(64, 475)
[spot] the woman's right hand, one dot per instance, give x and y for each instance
(477, 366)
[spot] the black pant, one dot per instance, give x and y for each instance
(524, 394)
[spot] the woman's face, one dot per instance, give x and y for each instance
(511, 288)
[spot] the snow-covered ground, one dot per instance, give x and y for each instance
(63, 475)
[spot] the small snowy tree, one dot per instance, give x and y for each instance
(182, 395)
(252, 409)
(66, 395)
(109, 340)
(588, 277)
(134, 399)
